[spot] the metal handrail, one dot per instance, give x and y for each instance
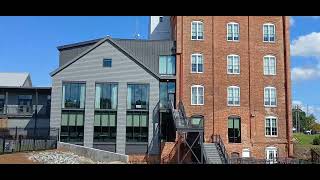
(217, 139)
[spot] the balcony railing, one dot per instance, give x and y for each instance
(19, 110)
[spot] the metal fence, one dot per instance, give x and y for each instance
(275, 161)
(27, 139)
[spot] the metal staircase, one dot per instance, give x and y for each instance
(211, 153)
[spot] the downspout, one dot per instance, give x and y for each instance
(250, 104)
(213, 75)
(181, 60)
(286, 70)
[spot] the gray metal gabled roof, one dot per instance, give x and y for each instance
(15, 80)
(144, 52)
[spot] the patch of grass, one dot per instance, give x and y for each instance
(304, 139)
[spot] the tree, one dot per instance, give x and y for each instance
(316, 127)
(301, 121)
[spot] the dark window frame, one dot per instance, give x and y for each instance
(233, 138)
(105, 133)
(167, 59)
(133, 97)
(79, 130)
(107, 63)
(168, 93)
(78, 103)
(2, 103)
(131, 131)
(104, 84)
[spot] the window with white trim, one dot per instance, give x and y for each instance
(233, 64)
(233, 96)
(269, 65)
(197, 30)
(271, 126)
(233, 31)
(197, 95)
(269, 32)
(197, 63)
(271, 155)
(270, 96)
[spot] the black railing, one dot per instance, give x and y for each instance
(27, 139)
(221, 148)
(155, 142)
(20, 110)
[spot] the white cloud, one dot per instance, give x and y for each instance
(302, 73)
(292, 21)
(307, 45)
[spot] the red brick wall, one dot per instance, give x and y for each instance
(251, 80)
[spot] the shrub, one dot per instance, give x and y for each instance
(316, 140)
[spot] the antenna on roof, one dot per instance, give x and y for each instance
(136, 34)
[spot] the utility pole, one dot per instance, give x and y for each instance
(296, 117)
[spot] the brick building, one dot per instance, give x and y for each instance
(234, 72)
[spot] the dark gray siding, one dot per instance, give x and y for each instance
(148, 52)
(70, 53)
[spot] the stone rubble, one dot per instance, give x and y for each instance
(58, 157)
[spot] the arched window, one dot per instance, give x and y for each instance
(269, 32)
(270, 97)
(197, 121)
(197, 95)
(233, 64)
(233, 30)
(271, 155)
(197, 30)
(196, 63)
(269, 65)
(271, 126)
(233, 96)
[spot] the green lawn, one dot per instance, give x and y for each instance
(305, 139)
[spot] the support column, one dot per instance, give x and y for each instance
(121, 118)
(89, 114)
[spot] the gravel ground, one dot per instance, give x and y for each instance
(59, 157)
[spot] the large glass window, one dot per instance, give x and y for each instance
(167, 93)
(137, 126)
(197, 63)
(233, 32)
(197, 30)
(271, 126)
(269, 65)
(270, 97)
(2, 102)
(197, 95)
(167, 65)
(105, 126)
(105, 119)
(269, 32)
(106, 96)
(138, 96)
(73, 95)
(233, 96)
(72, 126)
(234, 130)
(233, 64)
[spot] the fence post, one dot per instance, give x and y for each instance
(3, 144)
(16, 133)
(20, 140)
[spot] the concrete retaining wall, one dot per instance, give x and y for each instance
(94, 154)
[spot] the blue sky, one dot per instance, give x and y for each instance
(28, 44)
